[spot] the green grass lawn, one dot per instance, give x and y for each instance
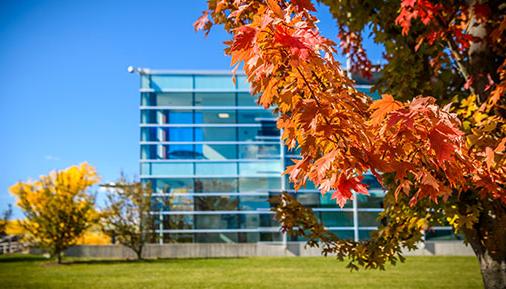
(314, 272)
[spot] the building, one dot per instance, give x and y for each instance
(214, 158)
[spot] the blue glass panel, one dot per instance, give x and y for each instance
(159, 82)
(174, 99)
(260, 168)
(216, 168)
(214, 99)
(149, 152)
(216, 152)
(270, 237)
(176, 117)
(148, 99)
(215, 134)
(252, 203)
(254, 116)
(246, 99)
(180, 134)
(216, 203)
(149, 116)
(176, 169)
(149, 134)
(145, 169)
(181, 152)
(265, 132)
(311, 200)
(264, 151)
(222, 237)
(336, 219)
(365, 234)
(145, 80)
(214, 82)
(198, 117)
(215, 116)
(367, 91)
(216, 185)
(172, 185)
(259, 184)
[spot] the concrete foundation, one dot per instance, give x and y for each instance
(182, 250)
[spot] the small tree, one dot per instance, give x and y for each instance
(58, 207)
(4, 220)
(127, 216)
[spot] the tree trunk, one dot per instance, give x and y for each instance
(493, 272)
(488, 240)
(138, 252)
(59, 257)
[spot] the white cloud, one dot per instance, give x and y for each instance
(51, 158)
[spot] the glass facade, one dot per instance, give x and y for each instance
(214, 158)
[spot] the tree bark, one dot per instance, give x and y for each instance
(138, 252)
(488, 240)
(493, 272)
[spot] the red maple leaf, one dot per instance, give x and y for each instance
(293, 43)
(303, 4)
(344, 187)
(440, 138)
(243, 38)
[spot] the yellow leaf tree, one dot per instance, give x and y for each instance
(58, 207)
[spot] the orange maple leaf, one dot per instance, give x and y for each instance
(382, 108)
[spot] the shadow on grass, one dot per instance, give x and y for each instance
(143, 261)
(21, 258)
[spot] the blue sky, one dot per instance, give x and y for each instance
(65, 94)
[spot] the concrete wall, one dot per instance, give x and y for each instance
(442, 248)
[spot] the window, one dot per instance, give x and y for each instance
(246, 99)
(216, 168)
(215, 134)
(215, 116)
(172, 185)
(254, 116)
(216, 152)
(214, 82)
(159, 82)
(214, 99)
(263, 151)
(220, 185)
(260, 168)
(172, 169)
(179, 117)
(181, 152)
(179, 134)
(174, 99)
(259, 184)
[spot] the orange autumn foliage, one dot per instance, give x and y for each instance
(341, 133)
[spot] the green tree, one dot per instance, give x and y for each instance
(58, 207)
(127, 217)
